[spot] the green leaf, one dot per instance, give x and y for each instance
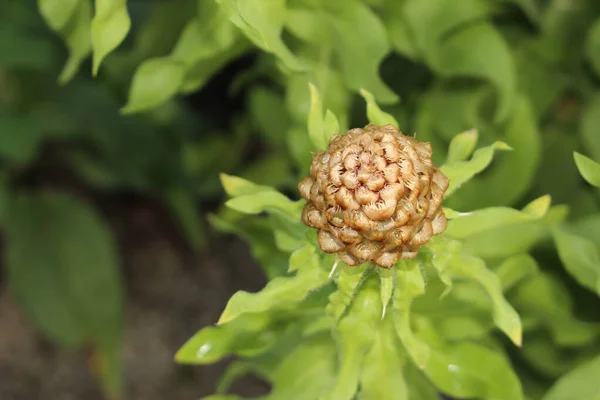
(156, 81)
(315, 120)
(277, 291)
(582, 383)
(508, 240)
(515, 269)
(79, 41)
(462, 146)
(331, 125)
(302, 257)
(512, 174)
(110, 25)
(57, 12)
(381, 376)
(360, 43)
(375, 114)
(590, 119)
(354, 335)
(546, 300)
(539, 207)
(451, 261)
(592, 46)
(248, 335)
(261, 201)
(588, 168)
(20, 137)
(505, 317)
(262, 22)
(387, 283)
(235, 186)
(580, 257)
(410, 284)
(486, 219)
(460, 172)
(468, 370)
(306, 371)
(63, 267)
(479, 50)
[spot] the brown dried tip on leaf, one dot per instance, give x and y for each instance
(374, 196)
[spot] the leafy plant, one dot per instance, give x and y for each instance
(425, 325)
(518, 77)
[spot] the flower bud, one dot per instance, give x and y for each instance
(374, 196)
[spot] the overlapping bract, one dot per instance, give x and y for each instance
(374, 195)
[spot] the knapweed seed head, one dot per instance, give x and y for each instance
(374, 195)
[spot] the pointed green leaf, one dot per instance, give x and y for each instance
(78, 39)
(580, 256)
(505, 241)
(539, 207)
(485, 219)
(387, 283)
(155, 81)
(276, 292)
(460, 172)
(462, 146)
(588, 168)
(315, 119)
(236, 186)
(261, 201)
(110, 25)
(375, 114)
(248, 335)
(582, 383)
(331, 125)
(410, 284)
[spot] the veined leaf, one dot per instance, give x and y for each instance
(277, 291)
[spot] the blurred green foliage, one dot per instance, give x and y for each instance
(522, 72)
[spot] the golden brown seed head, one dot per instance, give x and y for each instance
(374, 196)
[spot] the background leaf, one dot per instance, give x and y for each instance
(588, 168)
(63, 268)
(581, 383)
